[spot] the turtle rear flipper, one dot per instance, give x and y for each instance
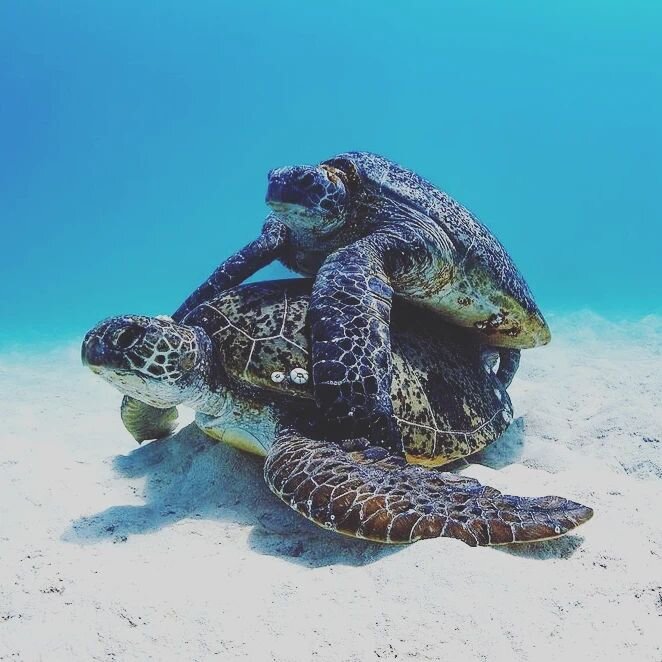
(508, 365)
(146, 422)
(371, 494)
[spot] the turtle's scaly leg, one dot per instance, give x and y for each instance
(240, 266)
(349, 317)
(508, 365)
(370, 494)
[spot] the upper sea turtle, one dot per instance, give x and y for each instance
(369, 228)
(242, 361)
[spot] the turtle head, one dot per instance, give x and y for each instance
(152, 359)
(312, 198)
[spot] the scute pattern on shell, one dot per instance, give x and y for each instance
(479, 285)
(388, 181)
(259, 330)
(447, 402)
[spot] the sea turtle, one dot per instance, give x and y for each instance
(368, 228)
(242, 361)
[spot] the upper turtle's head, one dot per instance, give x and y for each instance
(312, 198)
(152, 359)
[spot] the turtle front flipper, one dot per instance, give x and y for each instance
(371, 494)
(146, 422)
(240, 266)
(508, 365)
(349, 318)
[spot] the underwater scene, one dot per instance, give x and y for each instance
(401, 259)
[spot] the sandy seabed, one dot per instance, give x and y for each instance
(178, 551)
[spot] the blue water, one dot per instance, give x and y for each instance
(135, 138)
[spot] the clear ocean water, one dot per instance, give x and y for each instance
(135, 139)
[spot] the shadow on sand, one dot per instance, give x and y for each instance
(558, 548)
(189, 476)
(506, 450)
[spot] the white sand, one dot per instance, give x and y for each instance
(177, 550)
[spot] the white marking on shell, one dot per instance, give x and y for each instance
(507, 416)
(299, 376)
(277, 377)
(497, 392)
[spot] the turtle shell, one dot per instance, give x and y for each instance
(259, 334)
(483, 289)
(447, 400)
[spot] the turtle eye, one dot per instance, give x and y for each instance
(187, 361)
(334, 175)
(126, 338)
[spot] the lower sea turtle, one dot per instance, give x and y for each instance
(368, 228)
(242, 360)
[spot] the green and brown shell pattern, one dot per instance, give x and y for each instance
(447, 401)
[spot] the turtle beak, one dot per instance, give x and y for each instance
(91, 353)
(283, 188)
(98, 350)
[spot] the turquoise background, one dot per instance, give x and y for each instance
(135, 138)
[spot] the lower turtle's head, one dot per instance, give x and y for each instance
(312, 198)
(152, 359)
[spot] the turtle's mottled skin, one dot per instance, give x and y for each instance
(241, 361)
(369, 229)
